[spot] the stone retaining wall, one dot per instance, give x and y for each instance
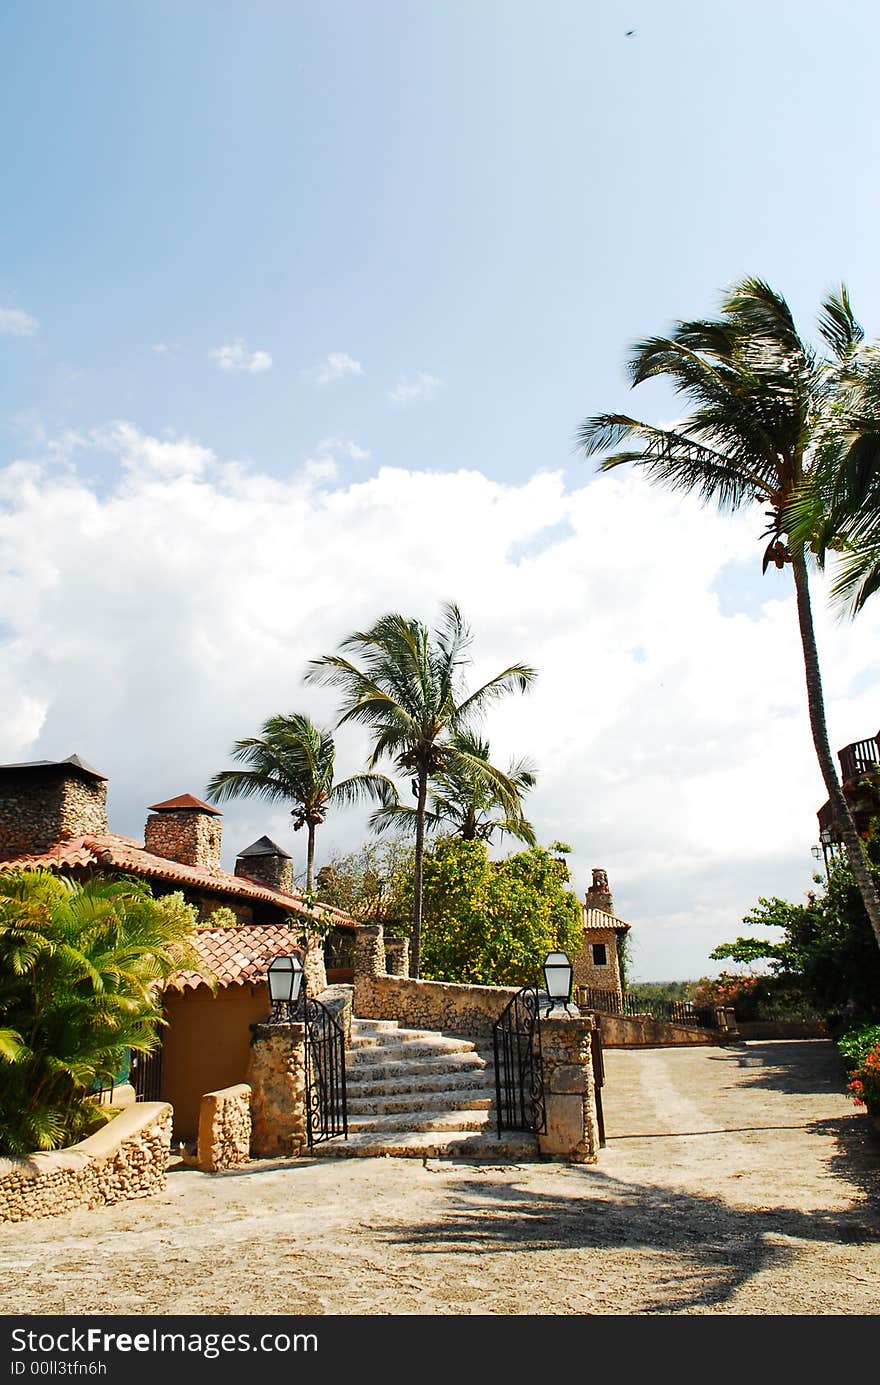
(224, 1129)
(128, 1158)
(431, 1004)
(624, 1031)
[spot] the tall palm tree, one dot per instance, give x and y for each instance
(466, 804)
(292, 761)
(763, 414)
(409, 692)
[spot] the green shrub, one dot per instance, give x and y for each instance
(80, 969)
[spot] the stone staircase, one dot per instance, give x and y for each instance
(420, 1093)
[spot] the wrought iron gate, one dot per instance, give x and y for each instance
(326, 1115)
(146, 1074)
(519, 1066)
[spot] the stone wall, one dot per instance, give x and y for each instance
(431, 1004)
(224, 1129)
(397, 956)
(420, 1004)
(40, 807)
(586, 971)
(277, 1079)
(128, 1158)
(192, 838)
(624, 1031)
(339, 1001)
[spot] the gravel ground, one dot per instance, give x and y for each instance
(736, 1180)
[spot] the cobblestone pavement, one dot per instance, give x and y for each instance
(736, 1180)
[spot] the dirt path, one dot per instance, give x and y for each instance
(738, 1180)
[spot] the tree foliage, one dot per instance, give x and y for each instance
(408, 691)
(492, 923)
(80, 969)
(823, 952)
(462, 801)
(372, 884)
(293, 761)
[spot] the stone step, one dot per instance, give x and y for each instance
(412, 1048)
(459, 1079)
(483, 1146)
(422, 1120)
(428, 1065)
(439, 1101)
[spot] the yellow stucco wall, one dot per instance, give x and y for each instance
(206, 1046)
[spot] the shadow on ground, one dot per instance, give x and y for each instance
(779, 1065)
(717, 1247)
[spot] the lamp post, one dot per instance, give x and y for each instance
(558, 975)
(285, 977)
(823, 851)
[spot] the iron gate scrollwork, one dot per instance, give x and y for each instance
(519, 1066)
(326, 1114)
(146, 1074)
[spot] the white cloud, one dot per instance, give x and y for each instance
(151, 625)
(335, 366)
(143, 456)
(343, 447)
(165, 348)
(411, 387)
(235, 357)
(16, 323)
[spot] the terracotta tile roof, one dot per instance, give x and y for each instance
(234, 956)
(185, 800)
(597, 918)
(108, 850)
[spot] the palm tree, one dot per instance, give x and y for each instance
(292, 761)
(466, 804)
(837, 509)
(409, 693)
(764, 413)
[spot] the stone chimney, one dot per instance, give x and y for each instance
(265, 863)
(44, 802)
(185, 829)
(598, 896)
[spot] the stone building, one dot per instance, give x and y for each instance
(53, 816)
(597, 964)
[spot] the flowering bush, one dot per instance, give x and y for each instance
(861, 1053)
(726, 989)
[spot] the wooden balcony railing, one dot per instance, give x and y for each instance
(857, 758)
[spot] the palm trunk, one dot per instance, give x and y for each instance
(310, 858)
(416, 949)
(854, 853)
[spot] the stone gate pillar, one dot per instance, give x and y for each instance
(569, 1089)
(397, 956)
(277, 1078)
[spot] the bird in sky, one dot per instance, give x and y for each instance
(630, 33)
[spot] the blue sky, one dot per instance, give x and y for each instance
(338, 249)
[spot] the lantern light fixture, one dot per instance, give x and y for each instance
(558, 977)
(285, 977)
